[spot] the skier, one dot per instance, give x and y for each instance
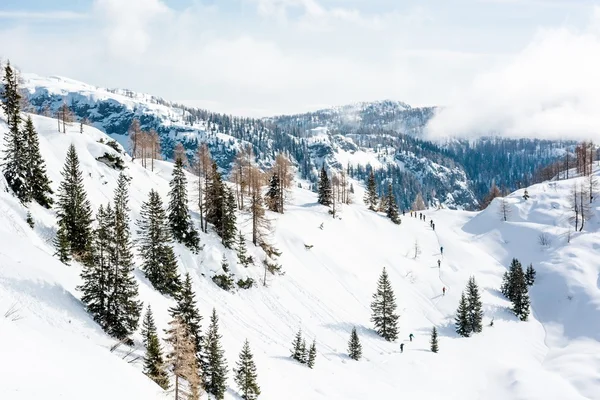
(411, 336)
(439, 263)
(444, 291)
(401, 347)
(431, 223)
(442, 250)
(433, 226)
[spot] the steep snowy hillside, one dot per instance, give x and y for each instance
(326, 290)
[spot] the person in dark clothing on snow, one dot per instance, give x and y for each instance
(442, 250)
(444, 291)
(411, 336)
(439, 263)
(401, 347)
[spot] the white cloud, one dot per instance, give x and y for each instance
(49, 15)
(549, 89)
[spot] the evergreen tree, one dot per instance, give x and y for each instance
(245, 374)
(371, 193)
(462, 325)
(154, 367)
(215, 374)
(508, 280)
(391, 206)
(354, 346)
(181, 360)
(159, 262)
(520, 295)
(242, 251)
(434, 340)
(530, 275)
(303, 352)
(180, 222)
(37, 181)
(505, 287)
(96, 285)
(74, 210)
(229, 218)
(474, 306)
(384, 309)
(62, 245)
(123, 308)
(297, 350)
(312, 355)
(187, 310)
(14, 161)
(324, 188)
(273, 195)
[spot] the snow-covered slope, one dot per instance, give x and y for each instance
(56, 351)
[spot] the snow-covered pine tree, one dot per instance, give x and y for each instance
(354, 346)
(520, 295)
(159, 261)
(297, 351)
(474, 306)
(154, 366)
(312, 355)
(273, 195)
(324, 188)
(370, 198)
(38, 183)
(434, 340)
(242, 251)
(391, 206)
(96, 285)
(245, 374)
(530, 275)
(181, 360)
(215, 374)
(224, 280)
(303, 352)
(229, 219)
(180, 222)
(123, 308)
(187, 310)
(14, 160)
(74, 209)
(463, 328)
(62, 245)
(384, 309)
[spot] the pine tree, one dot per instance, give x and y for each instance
(391, 206)
(354, 346)
(96, 285)
(371, 193)
(508, 283)
(37, 181)
(312, 355)
(520, 295)
(215, 374)
(474, 306)
(159, 262)
(229, 219)
(324, 188)
(384, 309)
(123, 308)
(187, 310)
(154, 367)
(303, 352)
(434, 340)
(180, 222)
(181, 360)
(62, 245)
(14, 161)
(462, 317)
(242, 251)
(530, 275)
(297, 351)
(245, 374)
(74, 210)
(505, 287)
(273, 195)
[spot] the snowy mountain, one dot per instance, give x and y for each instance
(51, 348)
(383, 135)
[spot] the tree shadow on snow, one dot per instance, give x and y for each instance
(346, 327)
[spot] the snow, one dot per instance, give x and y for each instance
(56, 351)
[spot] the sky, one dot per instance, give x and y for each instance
(515, 67)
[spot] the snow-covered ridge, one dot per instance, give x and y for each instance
(326, 290)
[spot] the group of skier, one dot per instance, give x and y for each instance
(411, 336)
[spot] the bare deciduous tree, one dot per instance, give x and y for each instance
(134, 135)
(504, 210)
(182, 361)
